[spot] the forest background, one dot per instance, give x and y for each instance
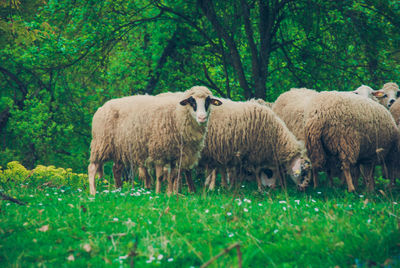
(61, 60)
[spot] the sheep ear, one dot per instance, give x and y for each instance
(378, 93)
(215, 102)
(184, 102)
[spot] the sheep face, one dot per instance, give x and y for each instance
(389, 94)
(300, 172)
(200, 107)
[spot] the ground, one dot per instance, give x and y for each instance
(319, 228)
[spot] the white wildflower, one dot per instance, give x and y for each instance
(246, 210)
(206, 211)
(230, 235)
(316, 209)
(122, 194)
(106, 191)
(282, 202)
(260, 204)
(59, 199)
(369, 221)
(313, 201)
(275, 231)
(284, 208)
(160, 257)
(170, 259)
(79, 190)
(361, 195)
(229, 213)
(318, 192)
(297, 201)
(31, 195)
(115, 219)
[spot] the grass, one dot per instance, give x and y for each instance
(320, 228)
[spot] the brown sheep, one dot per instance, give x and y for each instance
(349, 130)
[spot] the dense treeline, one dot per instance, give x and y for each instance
(60, 60)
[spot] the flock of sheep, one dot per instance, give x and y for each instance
(345, 134)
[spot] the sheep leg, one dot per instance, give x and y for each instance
(223, 178)
(347, 174)
(144, 175)
(177, 182)
(212, 181)
(170, 179)
(117, 171)
(189, 181)
(367, 171)
(92, 170)
(259, 183)
(159, 175)
(315, 178)
(208, 177)
(100, 171)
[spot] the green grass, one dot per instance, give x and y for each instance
(321, 228)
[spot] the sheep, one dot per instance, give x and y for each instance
(391, 93)
(290, 107)
(348, 130)
(395, 111)
(145, 130)
(250, 135)
(368, 92)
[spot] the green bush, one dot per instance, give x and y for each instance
(15, 173)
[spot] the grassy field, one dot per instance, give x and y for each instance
(319, 228)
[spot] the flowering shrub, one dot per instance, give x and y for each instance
(17, 173)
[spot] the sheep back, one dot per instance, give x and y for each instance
(348, 128)
(250, 134)
(290, 107)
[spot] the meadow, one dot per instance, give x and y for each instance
(64, 226)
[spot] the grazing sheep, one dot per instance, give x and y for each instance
(348, 130)
(147, 130)
(250, 135)
(395, 111)
(391, 93)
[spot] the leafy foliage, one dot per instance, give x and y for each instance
(61, 60)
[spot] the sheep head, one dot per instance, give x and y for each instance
(299, 172)
(199, 99)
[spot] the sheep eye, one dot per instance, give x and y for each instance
(193, 103)
(398, 94)
(207, 103)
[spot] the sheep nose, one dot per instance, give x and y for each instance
(202, 118)
(391, 101)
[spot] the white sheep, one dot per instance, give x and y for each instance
(147, 130)
(250, 135)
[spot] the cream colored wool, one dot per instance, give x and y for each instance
(290, 107)
(263, 102)
(247, 134)
(366, 91)
(347, 129)
(147, 130)
(395, 111)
